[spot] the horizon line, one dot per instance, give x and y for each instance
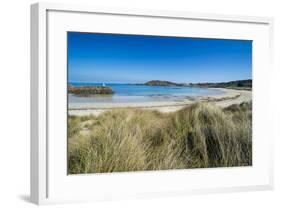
(157, 80)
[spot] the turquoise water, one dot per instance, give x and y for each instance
(124, 93)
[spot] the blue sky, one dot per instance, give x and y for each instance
(94, 57)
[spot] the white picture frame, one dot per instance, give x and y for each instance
(49, 181)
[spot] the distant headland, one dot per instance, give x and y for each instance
(162, 83)
(238, 84)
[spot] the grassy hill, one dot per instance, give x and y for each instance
(162, 83)
(238, 84)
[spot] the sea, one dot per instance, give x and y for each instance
(137, 93)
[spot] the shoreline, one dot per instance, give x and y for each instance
(229, 97)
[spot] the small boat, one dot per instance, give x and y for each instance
(103, 84)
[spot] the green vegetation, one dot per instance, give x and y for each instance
(162, 83)
(239, 84)
(87, 91)
(199, 136)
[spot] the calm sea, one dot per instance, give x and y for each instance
(142, 93)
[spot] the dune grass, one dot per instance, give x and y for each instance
(199, 136)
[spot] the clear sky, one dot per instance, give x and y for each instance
(136, 59)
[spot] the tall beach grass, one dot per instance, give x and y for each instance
(201, 135)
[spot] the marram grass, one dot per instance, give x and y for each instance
(201, 135)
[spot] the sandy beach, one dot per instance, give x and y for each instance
(227, 98)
